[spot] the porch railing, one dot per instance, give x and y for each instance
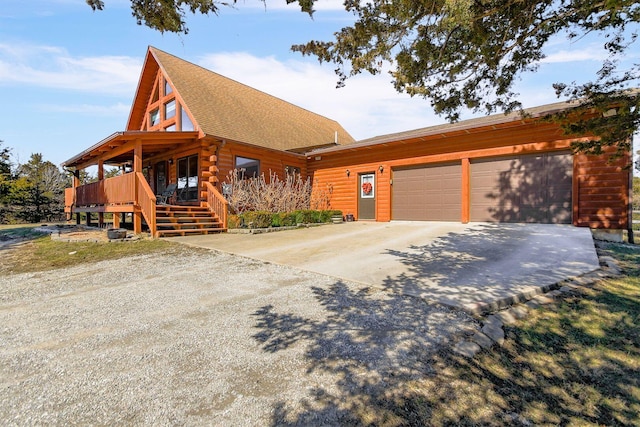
(119, 190)
(217, 203)
(128, 189)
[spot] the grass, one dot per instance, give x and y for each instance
(37, 252)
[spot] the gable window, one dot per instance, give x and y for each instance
(155, 96)
(170, 109)
(154, 117)
(187, 125)
(171, 128)
(167, 87)
(248, 168)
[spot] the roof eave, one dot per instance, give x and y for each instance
(86, 157)
(465, 125)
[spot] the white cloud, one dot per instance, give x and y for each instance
(588, 54)
(368, 105)
(54, 67)
(114, 110)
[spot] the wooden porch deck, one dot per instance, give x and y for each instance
(130, 193)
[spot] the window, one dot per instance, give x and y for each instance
(188, 178)
(155, 96)
(154, 117)
(185, 120)
(248, 168)
(161, 176)
(171, 128)
(367, 189)
(170, 109)
(167, 87)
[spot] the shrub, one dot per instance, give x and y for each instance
(287, 219)
(262, 219)
(257, 219)
(234, 221)
(274, 195)
(276, 220)
(305, 216)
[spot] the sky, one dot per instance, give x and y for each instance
(68, 74)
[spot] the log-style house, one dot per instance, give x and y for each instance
(189, 127)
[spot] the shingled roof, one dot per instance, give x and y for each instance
(466, 126)
(230, 110)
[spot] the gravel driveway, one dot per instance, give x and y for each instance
(203, 338)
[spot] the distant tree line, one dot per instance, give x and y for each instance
(31, 192)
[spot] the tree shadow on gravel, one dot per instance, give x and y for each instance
(388, 364)
(373, 343)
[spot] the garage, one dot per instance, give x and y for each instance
(527, 188)
(427, 193)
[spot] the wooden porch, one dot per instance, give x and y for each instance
(131, 192)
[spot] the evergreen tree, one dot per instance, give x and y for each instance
(38, 191)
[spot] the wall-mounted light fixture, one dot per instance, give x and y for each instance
(171, 161)
(381, 168)
(348, 173)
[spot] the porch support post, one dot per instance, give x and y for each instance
(100, 178)
(76, 184)
(466, 191)
(137, 167)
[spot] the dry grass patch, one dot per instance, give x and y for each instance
(25, 250)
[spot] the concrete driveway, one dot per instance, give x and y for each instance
(477, 266)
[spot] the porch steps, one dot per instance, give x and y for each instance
(174, 220)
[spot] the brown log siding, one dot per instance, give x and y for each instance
(601, 192)
(270, 160)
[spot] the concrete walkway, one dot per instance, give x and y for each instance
(477, 266)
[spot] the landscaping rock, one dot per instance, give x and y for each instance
(612, 266)
(507, 317)
(482, 340)
(519, 311)
(543, 299)
(467, 349)
(554, 294)
(533, 304)
(495, 333)
(582, 280)
(493, 321)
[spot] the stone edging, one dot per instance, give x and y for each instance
(492, 331)
(273, 229)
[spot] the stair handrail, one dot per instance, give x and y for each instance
(217, 203)
(146, 202)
